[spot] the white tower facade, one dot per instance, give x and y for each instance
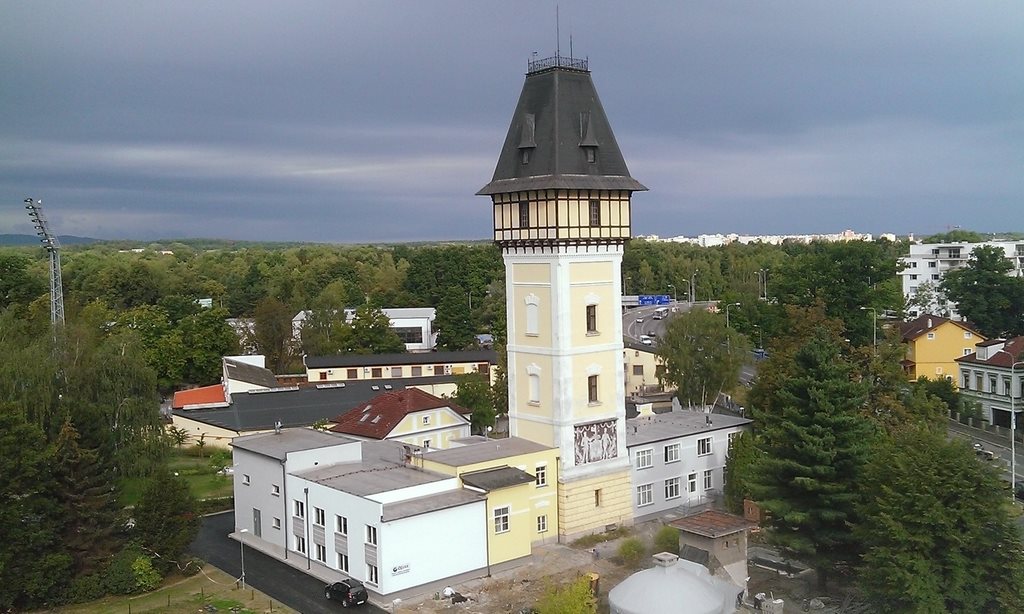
(561, 196)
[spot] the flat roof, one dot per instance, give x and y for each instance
(370, 476)
(675, 424)
(499, 477)
(422, 358)
(483, 451)
(430, 503)
(278, 445)
(712, 523)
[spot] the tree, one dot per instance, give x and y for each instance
(935, 531)
(88, 502)
(453, 322)
(272, 332)
(33, 563)
(372, 333)
(928, 299)
(166, 520)
(325, 332)
(743, 457)
(178, 435)
(17, 286)
(206, 338)
(702, 356)
(572, 598)
(814, 443)
(474, 392)
(986, 294)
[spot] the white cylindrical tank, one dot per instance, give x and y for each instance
(673, 586)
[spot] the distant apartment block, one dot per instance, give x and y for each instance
(714, 240)
(927, 264)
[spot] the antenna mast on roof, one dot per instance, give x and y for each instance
(558, 35)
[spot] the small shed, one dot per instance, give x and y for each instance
(718, 540)
(674, 586)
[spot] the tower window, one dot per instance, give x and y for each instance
(524, 215)
(592, 389)
(595, 213)
(591, 154)
(525, 154)
(534, 388)
(591, 319)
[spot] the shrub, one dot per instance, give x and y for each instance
(191, 567)
(86, 588)
(572, 598)
(667, 540)
(631, 550)
(218, 504)
(119, 577)
(146, 578)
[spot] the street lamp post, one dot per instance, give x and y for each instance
(762, 289)
(874, 325)
(1013, 431)
(693, 286)
(674, 298)
(727, 312)
(241, 545)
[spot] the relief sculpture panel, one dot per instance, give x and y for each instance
(595, 442)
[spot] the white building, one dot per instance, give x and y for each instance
(678, 459)
(989, 378)
(927, 263)
(344, 508)
(414, 325)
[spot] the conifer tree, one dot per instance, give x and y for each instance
(166, 519)
(814, 443)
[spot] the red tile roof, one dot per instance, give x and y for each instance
(712, 523)
(376, 418)
(1011, 353)
(212, 396)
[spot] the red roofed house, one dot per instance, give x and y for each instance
(933, 344)
(411, 416)
(990, 374)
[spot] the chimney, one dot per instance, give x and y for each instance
(929, 322)
(665, 559)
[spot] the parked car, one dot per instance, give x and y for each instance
(348, 592)
(1018, 490)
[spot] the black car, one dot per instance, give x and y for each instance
(347, 592)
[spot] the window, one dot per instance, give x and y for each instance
(426, 420)
(323, 375)
(913, 277)
(732, 437)
(638, 370)
(992, 384)
(417, 371)
(935, 275)
(977, 382)
(542, 523)
(275, 490)
(967, 351)
(277, 523)
(396, 371)
(967, 334)
(592, 389)
(484, 368)
(672, 488)
(591, 319)
(709, 481)
(524, 154)
(426, 443)
(931, 335)
(501, 519)
(321, 553)
(532, 316)
(246, 480)
(318, 516)
(352, 374)
(932, 264)
(376, 372)
(595, 212)
(644, 495)
(300, 544)
(938, 370)
(704, 446)
(372, 575)
(591, 154)
(300, 509)
(671, 453)
(967, 381)
(524, 215)
(343, 562)
(409, 334)
(644, 458)
(535, 388)
(692, 482)
(541, 475)
(371, 535)
(341, 525)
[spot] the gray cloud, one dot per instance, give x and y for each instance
(356, 121)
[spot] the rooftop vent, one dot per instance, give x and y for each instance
(329, 386)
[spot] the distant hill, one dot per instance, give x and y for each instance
(34, 240)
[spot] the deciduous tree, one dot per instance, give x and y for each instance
(372, 333)
(702, 356)
(474, 392)
(986, 295)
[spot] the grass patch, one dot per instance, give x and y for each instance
(203, 480)
(177, 596)
(589, 541)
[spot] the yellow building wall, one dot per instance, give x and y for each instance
(589, 505)
(649, 361)
(936, 358)
(340, 374)
(525, 502)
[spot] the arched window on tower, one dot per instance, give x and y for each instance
(532, 315)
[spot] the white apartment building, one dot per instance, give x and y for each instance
(993, 377)
(927, 264)
(678, 459)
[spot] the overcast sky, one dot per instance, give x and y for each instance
(378, 121)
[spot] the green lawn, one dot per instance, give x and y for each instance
(203, 480)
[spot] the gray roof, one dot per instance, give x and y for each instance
(278, 445)
(301, 407)
(558, 118)
(499, 477)
(418, 358)
(429, 503)
(370, 476)
(245, 372)
(672, 425)
(487, 450)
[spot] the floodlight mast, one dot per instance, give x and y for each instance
(52, 245)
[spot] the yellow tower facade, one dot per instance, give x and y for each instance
(561, 197)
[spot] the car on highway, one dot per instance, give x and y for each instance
(348, 592)
(639, 319)
(644, 339)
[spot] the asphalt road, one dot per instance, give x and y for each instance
(281, 582)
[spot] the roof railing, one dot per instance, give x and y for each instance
(557, 61)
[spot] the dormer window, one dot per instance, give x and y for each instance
(591, 154)
(525, 155)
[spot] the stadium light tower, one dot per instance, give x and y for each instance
(49, 241)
